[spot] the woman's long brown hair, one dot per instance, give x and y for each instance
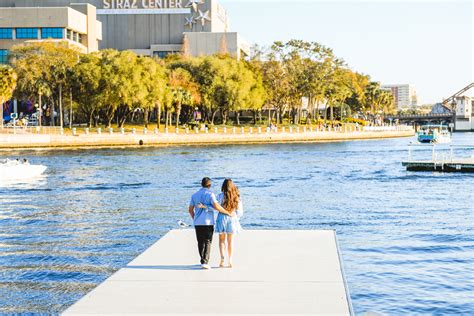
(231, 196)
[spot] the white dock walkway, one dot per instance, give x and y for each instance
(276, 272)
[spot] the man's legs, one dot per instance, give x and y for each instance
(204, 236)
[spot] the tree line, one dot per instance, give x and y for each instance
(299, 81)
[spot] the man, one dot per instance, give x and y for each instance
(201, 208)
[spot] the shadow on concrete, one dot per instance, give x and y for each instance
(167, 267)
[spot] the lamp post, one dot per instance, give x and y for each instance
(37, 107)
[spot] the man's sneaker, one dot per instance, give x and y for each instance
(206, 266)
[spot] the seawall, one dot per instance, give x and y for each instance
(29, 140)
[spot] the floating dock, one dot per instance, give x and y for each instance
(455, 165)
(275, 272)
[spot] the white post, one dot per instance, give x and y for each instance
(122, 130)
(216, 130)
(225, 130)
(99, 131)
(145, 131)
(134, 131)
(74, 131)
(155, 131)
(86, 131)
(111, 130)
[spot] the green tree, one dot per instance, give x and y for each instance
(86, 81)
(153, 79)
(183, 90)
(44, 69)
(8, 80)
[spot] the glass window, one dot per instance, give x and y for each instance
(3, 56)
(6, 33)
(27, 33)
(79, 38)
(52, 32)
(69, 35)
(162, 54)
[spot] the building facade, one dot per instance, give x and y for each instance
(75, 25)
(404, 95)
(464, 113)
(158, 27)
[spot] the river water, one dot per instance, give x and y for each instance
(407, 239)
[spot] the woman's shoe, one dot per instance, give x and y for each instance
(222, 263)
(230, 265)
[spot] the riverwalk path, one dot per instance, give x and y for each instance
(275, 272)
(111, 138)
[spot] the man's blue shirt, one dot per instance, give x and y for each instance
(203, 217)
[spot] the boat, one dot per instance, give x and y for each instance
(19, 170)
(430, 134)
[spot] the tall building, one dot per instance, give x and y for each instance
(75, 25)
(157, 27)
(404, 95)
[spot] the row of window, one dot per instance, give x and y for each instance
(32, 33)
(52, 32)
(3, 56)
(74, 36)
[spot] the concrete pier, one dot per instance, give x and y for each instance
(275, 272)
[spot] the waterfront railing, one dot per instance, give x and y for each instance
(76, 131)
(440, 153)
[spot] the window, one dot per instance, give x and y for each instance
(27, 33)
(69, 34)
(52, 32)
(162, 54)
(3, 56)
(6, 33)
(79, 38)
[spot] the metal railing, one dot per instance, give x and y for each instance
(28, 130)
(84, 131)
(442, 154)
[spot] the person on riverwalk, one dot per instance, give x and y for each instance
(201, 208)
(227, 226)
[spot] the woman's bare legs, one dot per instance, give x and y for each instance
(230, 248)
(222, 248)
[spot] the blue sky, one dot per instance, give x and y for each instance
(427, 43)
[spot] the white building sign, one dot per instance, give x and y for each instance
(143, 4)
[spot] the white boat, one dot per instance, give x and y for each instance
(434, 134)
(17, 170)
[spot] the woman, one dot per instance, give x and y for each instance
(227, 226)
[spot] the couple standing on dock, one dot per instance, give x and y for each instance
(203, 208)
